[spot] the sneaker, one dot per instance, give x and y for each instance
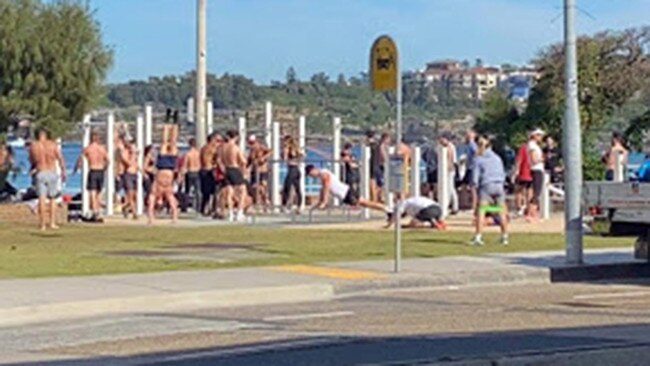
(505, 241)
(231, 217)
(477, 242)
(241, 217)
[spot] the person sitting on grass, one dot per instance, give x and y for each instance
(163, 185)
(332, 185)
(489, 176)
(421, 210)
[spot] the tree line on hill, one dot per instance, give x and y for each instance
(319, 97)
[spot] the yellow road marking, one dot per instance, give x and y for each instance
(336, 273)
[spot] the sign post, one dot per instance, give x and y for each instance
(385, 77)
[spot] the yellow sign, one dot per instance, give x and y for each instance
(384, 65)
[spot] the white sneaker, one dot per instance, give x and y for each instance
(241, 217)
(521, 212)
(231, 217)
(505, 240)
(477, 242)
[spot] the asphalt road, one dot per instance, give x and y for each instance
(399, 327)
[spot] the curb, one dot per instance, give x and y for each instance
(479, 278)
(165, 303)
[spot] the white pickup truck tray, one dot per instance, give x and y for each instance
(630, 201)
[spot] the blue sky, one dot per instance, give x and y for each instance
(262, 38)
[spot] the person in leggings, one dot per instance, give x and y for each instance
(292, 155)
(488, 175)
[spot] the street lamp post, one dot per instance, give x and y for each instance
(572, 144)
(201, 72)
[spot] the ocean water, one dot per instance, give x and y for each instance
(320, 156)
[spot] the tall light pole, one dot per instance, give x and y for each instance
(201, 72)
(572, 141)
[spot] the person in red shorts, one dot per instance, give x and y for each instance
(523, 178)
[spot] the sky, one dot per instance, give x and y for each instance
(263, 38)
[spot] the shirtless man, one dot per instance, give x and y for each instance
(129, 160)
(97, 158)
(44, 155)
(611, 156)
(191, 171)
(206, 174)
(233, 164)
(258, 162)
(331, 185)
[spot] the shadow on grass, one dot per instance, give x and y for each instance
(455, 242)
(46, 235)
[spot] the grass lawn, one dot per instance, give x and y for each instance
(80, 250)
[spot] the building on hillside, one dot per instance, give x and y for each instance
(458, 78)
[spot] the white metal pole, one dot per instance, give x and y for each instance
(545, 199)
(210, 116)
(140, 147)
(336, 152)
(268, 122)
(110, 170)
(302, 143)
(415, 171)
(389, 197)
(365, 178)
(60, 169)
(572, 146)
(443, 181)
(148, 124)
(398, 143)
(275, 167)
(85, 195)
(242, 134)
(201, 71)
(190, 110)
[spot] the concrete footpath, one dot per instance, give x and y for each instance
(28, 301)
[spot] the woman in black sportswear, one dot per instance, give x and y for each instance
(292, 156)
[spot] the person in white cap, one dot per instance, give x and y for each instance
(536, 157)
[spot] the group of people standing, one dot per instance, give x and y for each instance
(538, 156)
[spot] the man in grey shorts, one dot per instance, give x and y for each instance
(44, 155)
(489, 176)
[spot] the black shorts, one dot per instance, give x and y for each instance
(538, 184)
(207, 182)
(432, 177)
(234, 177)
(429, 214)
(351, 198)
(263, 177)
(525, 184)
(95, 180)
(130, 182)
(378, 176)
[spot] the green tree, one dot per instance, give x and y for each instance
(52, 62)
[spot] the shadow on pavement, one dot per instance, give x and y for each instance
(325, 351)
(600, 267)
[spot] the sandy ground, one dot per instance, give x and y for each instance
(460, 223)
